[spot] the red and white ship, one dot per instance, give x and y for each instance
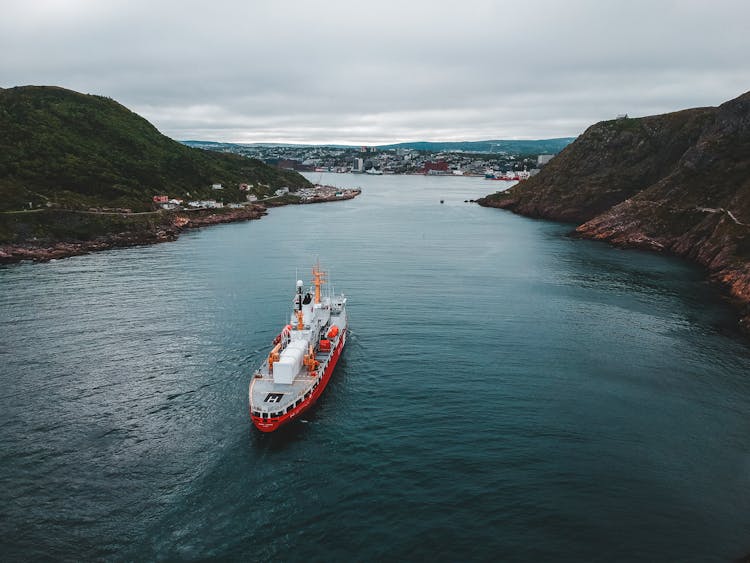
(304, 355)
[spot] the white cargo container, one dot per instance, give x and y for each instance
(289, 362)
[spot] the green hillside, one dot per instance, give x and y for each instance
(75, 150)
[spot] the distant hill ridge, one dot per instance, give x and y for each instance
(78, 150)
(520, 147)
(678, 182)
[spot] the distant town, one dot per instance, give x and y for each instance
(374, 160)
(500, 165)
(315, 194)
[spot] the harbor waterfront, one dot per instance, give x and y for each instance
(507, 392)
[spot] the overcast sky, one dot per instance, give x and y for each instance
(315, 71)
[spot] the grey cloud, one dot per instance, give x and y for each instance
(376, 72)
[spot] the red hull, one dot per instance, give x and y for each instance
(271, 424)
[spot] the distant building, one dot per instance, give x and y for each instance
(622, 116)
(436, 168)
(282, 191)
(245, 187)
(171, 204)
(543, 159)
(217, 186)
(359, 165)
(252, 197)
(161, 199)
(207, 203)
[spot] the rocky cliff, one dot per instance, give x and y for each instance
(678, 182)
(52, 234)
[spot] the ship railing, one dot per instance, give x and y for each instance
(275, 410)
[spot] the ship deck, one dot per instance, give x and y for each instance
(278, 398)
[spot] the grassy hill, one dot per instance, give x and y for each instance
(611, 161)
(76, 150)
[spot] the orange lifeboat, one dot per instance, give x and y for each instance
(333, 332)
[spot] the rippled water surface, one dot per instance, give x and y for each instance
(508, 393)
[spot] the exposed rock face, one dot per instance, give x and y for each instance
(53, 251)
(204, 218)
(678, 182)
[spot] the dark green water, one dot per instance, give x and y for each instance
(508, 393)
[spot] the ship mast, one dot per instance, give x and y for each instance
(298, 312)
(319, 278)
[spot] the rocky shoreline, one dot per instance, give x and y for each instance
(675, 183)
(716, 254)
(618, 229)
(167, 227)
(327, 196)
